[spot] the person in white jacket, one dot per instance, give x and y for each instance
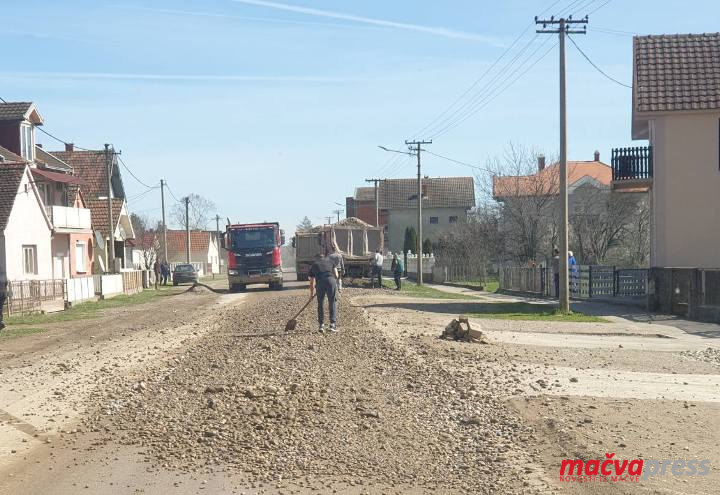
(377, 266)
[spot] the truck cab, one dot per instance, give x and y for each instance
(254, 255)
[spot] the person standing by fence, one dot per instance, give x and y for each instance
(165, 272)
(156, 272)
(3, 296)
(397, 269)
(377, 266)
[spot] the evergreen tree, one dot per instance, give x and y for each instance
(306, 224)
(427, 247)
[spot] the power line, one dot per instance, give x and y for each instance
(172, 193)
(498, 90)
(135, 176)
(476, 167)
(596, 67)
(598, 8)
(583, 6)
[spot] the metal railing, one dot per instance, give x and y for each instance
(586, 281)
(33, 296)
(634, 163)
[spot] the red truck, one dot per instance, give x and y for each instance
(254, 257)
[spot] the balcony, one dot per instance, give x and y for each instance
(66, 219)
(632, 167)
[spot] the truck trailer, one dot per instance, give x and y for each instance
(354, 239)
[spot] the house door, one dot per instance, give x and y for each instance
(59, 267)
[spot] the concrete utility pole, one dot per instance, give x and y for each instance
(217, 229)
(418, 149)
(187, 229)
(337, 212)
(562, 31)
(162, 202)
(377, 204)
(329, 220)
(110, 251)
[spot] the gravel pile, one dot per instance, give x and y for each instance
(709, 355)
(336, 410)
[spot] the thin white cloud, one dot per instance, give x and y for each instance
(175, 77)
(214, 15)
(437, 31)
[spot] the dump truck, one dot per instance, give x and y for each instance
(254, 255)
(353, 238)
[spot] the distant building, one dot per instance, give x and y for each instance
(445, 201)
(203, 248)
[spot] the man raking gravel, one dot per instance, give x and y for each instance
(323, 280)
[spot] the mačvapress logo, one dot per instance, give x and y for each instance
(615, 470)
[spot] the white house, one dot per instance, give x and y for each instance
(25, 228)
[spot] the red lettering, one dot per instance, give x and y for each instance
(638, 465)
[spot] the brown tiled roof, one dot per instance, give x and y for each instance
(176, 245)
(676, 72)
(14, 110)
(99, 213)
(438, 192)
(50, 160)
(365, 194)
(546, 181)
(90, 166)
(10, 177)
(10, 157)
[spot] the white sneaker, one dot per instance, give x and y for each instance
(321, 328)
(333, 328)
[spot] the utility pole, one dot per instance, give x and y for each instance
(110, 251)
(217, 229)
(562, 31)
(377, 205)
(329, 220)
(187, 229)
(418, 248)
(337, 212)
(162, 202)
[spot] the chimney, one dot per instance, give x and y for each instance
(541, 163)
(69, 147)
(597, 156)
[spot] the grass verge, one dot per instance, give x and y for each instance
(411, 289)
(533, 312)
(11, 333)
(90, 309)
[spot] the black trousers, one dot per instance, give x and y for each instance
(326, 287)
(2, 306)
(398, 281)
(377, 272)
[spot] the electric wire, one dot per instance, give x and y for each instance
(596, 67)
(598, 8)
(476, 167)
(133, 175)
(498, 90)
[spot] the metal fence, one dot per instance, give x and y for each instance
(586, 281)
(34, 296)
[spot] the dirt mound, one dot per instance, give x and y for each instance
(348, 407)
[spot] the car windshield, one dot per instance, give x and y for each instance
(253, 238)
(184, 268)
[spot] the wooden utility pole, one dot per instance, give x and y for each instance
(562, 31)
(110, 251)
(162, 202)
(187, 229)
(418, 248)
(377, 204)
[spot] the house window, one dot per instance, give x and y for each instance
(453, 219)
(30, 260)
(80, 257)
(433, 220)
(26, 141)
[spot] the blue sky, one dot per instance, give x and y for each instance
(274, 110)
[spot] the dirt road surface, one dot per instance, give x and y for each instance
(205, 393)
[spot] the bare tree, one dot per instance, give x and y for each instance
(200, 211)
(471, 244)
(527, 198)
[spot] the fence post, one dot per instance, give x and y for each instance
(590, 282)
(616, 282)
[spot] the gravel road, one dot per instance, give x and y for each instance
(334, 411)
